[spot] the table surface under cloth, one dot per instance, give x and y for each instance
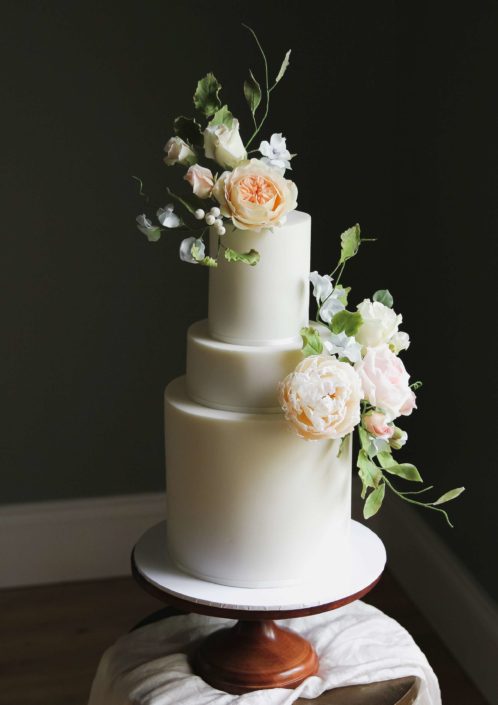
(356, 644)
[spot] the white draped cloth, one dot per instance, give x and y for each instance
(356, 644)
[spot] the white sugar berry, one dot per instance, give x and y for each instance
(215, 211)
(199, 214)
(221, 230)
(210, 219)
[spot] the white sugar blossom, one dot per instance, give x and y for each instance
(322, 286)
(399, 341)
(178, 152)
(275, 152)
(398, 439)
(167, 218)
(341, 345)
(192, 250)
(145, 226)
(327, 297)
(321, 398)
(380, 324)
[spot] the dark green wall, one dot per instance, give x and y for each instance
(391, 107)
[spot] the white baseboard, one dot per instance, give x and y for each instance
(51, 542)
(458, 609)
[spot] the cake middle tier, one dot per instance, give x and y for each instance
(237, 377)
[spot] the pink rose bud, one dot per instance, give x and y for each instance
(375, 422)
(201, 180)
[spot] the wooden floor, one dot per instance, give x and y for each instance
(51, 638)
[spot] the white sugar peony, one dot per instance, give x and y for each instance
(321, 398)
(379, 325)
(224, 144)
(178, 152)
(386, 382)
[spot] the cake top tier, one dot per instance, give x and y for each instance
(267, 303)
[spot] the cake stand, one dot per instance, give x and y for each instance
(255, 653)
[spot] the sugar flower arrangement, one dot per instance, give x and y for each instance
(352, 377)
(249, 194)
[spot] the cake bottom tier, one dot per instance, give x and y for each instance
(249, 504)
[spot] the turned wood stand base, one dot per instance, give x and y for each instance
(254, 656)
(255, 653)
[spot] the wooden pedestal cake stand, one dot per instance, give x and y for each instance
(255, 653)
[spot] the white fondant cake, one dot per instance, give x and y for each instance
(249, 503)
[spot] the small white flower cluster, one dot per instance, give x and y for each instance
(211, 218)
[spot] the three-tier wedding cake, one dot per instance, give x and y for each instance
(249, 503)
(259, 431)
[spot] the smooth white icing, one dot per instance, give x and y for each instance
(249, 503)
(237, 377)
(267, 303)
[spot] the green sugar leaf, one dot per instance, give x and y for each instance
(206, 97)
(343, 442)
(386, 459)
(365, 441)
(312, 343)
(223, 117)
(197, 250)
(350, 242)
(384, 296)
(343, 293)
(448, 496)
(346, 322)
(252, 92)
(208, 262)
(189, 130)
(283, 67)
(374, 501)
(251, 258)
(369, 473)
(405, 470)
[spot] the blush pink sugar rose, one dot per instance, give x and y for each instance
(377, 425)
(386, 383)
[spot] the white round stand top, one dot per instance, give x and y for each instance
(368, 557)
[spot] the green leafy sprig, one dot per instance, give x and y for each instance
(374, 461)
(252, 89)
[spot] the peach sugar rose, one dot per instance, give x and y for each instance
(255, 196)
